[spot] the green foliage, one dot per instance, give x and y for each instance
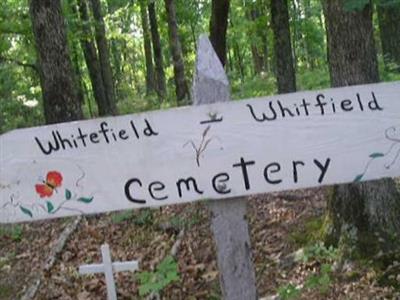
(13, 232)
(6, 291)
(154, 282)
(122, 216)
(320, 252)
(144, 217)
(355, 5)
(288, 292)
(182, 222)
(320, 281)
(307, 234)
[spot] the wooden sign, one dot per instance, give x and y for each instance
(223, 150)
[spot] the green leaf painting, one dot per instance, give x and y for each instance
(68, 194)
(26, 211)
(50, 206)
(85, 200)
(358, 178)
(376, 155)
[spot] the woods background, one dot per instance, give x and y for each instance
(131, 56)
(68, 60)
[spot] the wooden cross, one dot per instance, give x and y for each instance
(108, 267)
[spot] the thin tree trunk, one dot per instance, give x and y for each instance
(60, 99)
(218, 27)
(157, 50)
(258, 59)
(296, 39)
(181, 88)
(147, 48)
(104, 56)
(78, 75)
(306, 36)
(364, 217)
(286, 78)
(389, 28)
(92, 61)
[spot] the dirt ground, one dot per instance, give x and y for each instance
(278, 224)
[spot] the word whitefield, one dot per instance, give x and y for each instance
(224, 150)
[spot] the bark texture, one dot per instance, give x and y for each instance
(157, 50)
(60, 98)
(147, 48)
(389, 28)
(104, 57)
(285, 72)
(219, 26)
(181, 88)
(351, 47)
(92, 61)
(362, 216)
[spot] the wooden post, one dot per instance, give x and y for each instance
(229, 226)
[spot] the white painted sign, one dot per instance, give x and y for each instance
(223, 150)
(108, 268)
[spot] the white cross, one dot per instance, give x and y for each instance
(108, 267)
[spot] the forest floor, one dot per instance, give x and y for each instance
(280, 225)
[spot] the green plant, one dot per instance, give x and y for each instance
(155, 282)
(181, 222)
(144, 217)
(122, 216)
(321, 281)
(13, 232)
(289, 291)
(6, 291)
(319, 251)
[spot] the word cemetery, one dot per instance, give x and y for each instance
(212, 151)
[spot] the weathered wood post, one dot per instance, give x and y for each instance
(229, 226)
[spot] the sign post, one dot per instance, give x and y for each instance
(228, 223)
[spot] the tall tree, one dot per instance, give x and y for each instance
(285, 73)
(219, 26)
(104, 56)
(92, 60)
(366, 215)
(61, 102)
(253, 14)
(157, 50)
(181, 87)
(147, 47)
(389, 28)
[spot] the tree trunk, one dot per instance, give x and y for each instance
(362, 218)
(389, 28)
(78, 75)
(285, 73)
(104, 57)
(258, 59)
(181, 88)
(295, 32)
(92, 61)
(60, 99)
(147, 48)
(157, 50)
(218, 27)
